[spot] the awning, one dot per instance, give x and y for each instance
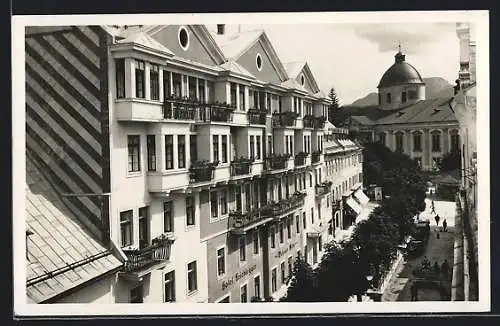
(360, 195)
(317, 231)
(354, 205)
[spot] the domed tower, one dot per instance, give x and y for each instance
(401, 85)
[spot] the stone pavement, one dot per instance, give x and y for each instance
(437, 250)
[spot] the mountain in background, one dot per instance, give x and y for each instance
(435, 87)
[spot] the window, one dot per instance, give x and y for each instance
(256, 286)
(273, 237)
(252, 149)
(256, 242)
(215, 145)
(168, 217)
(192, 87)
(154, 80)
(143, 227)
(177, 84)
(242, 97)
(403, 97)
(214, 204)
(136, 295)
(233, 94)
(139, 79)
(290, 266)
(436, 141)
(320, 243)
(291, 145)
(237, 196)
(190, 218)
(417, 142)
(126, 228)
(244, 293)
(183, 38)
(455, 139)
(223, 201)
(192, 277)
(181, 151)
(282, 234)
(258, 61)
(134, 153)
(224, 148)
(221, 262)
(269, 145)
(289, 228)
(169, 286)
(412, 95)
(243, 248)
(297, 224)
(120, 78)
(283, 273)
(169, 152)
(304, 220)
(255, 197)
(257, 138)
(274, 281)
(248, 199)
(310, 180)
(312, 215)
(151, 144)
(388, 97)
(399, 142)
(193, 150)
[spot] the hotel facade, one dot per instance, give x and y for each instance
(198, 161)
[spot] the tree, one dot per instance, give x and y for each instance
(335, 114)
(450, 161)
(302, 286)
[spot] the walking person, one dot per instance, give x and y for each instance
(414, 292)
(445, 270)
(445, 225)
(437, 218)
(433, 208)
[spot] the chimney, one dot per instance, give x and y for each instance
(221, 29)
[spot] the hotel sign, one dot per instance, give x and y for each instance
(238, 276)
(283, 251)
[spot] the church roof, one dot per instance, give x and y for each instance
(400, 73)
(426, 111)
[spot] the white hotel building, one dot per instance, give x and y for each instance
(184, 165)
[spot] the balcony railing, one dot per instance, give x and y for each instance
(277, 162)
(215, 113)
(241, 166)
(257, 116)
(239, 221)
(315, 157)
(300, 159)
(323, 188)
(284, 119)
(185, 108)
(157, 252)
(308, 121)
(284, 206)
(202, 171)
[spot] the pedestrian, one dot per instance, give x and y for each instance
(445, 224)
(436, 269)
(437, 219)
(414, 292)
(445, 269)
(433, 208)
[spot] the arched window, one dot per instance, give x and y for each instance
(436, 141)
(399, 142)
(417, 141)
(381, 138)
(455, 140)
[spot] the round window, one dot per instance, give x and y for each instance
(183, 38)
(302, 80)
(258, 61)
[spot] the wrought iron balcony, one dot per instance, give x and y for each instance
(284, 206)
(316, 156)
(308, 121)
(300, 159)
(157, 252)
(179, 108)
(257, 116)
(240, 222)
(284, 119)
(323, 188)
(202, 171)
(241, 166)
(277, 162)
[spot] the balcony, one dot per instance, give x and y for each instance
(284, 119)
(309, 121)
(319, 122)
(241, 166)
(300, 159)
(284, 206)
(142, 261)
(240, 223)
(215, 113)
(257, 116)
(138, 110)
(316, 157)
(180, 108)
(323, 188)
(277, 162)
(202, 171)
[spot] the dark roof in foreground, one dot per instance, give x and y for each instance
(62, 254)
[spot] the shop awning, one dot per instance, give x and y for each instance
(354, 205)
(360, 195)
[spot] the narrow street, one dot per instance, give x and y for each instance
(437, 250)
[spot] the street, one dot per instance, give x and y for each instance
(437, 250)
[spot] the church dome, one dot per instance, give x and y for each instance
(400, 73)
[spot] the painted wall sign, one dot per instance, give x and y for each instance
(283, 251)
(238, 276)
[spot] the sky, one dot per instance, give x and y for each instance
(352, 58)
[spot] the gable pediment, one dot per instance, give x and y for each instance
(310, 83)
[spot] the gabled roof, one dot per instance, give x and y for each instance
(293, 84)
(236, 68)
(426, 111)
(234, 46)
(144, 40)
(62, 254)
(294, 69)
